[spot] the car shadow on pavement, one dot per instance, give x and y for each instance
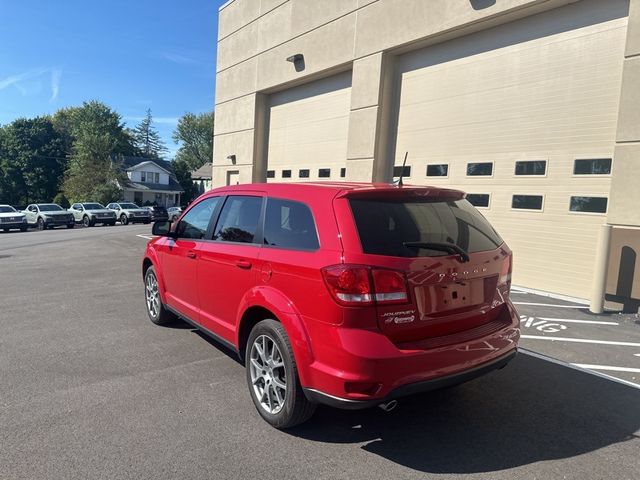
(531, 411)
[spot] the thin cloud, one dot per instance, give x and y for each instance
(56, 76)
(21, 77)
(178, 58)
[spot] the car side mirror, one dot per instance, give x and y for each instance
(162, 229)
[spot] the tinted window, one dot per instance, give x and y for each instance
(324, 172)
(289, 224)
(343, 172)
(531, 167)
(303, 173)
(398, 171)
(196, 221)
(271, 174)
(479, 169)
(478, 199)
(385, 225)
(588, 204)
(239, 219)
(595, 166)
(286, 173)
(441, 170)
(527, 202)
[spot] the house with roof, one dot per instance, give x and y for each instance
(202, 177)
(150, 181)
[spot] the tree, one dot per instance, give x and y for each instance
(32, 161)
(183, 174)
(147, 139)
(194, 133)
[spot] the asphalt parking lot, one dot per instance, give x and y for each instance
(91, 389)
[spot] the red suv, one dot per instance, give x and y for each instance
(346, 294)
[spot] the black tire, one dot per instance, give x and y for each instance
(87, 222)
(296, 409)
(124, 220)
(162, 316)
(5, 230)
(23, 228)
(40, 225)
(70, 225)
(146, 222)
(111, 224)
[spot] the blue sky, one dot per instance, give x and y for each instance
(130, 54)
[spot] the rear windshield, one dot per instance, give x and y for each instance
(385, 225)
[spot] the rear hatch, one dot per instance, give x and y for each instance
(455, 266)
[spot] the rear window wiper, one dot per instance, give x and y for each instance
(451, 248)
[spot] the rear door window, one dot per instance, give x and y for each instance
(384, 226)
(239, 219)
(289, 224)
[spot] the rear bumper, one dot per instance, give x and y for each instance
(412, 388)
(355, 368)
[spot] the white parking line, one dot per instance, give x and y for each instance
(145, 236)
(575, 367)
(589, 322)
(548, 305)
(607, 368)
(581, 340)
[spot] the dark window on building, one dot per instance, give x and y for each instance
(594, 166)
(289, 224)
(324, 172)
(440, 170)
(478, 199)
(588, 204)
(239, 219)
(286, 173)
(483, 169)
(271, 174)
(527, 202)
(195, 222)
(531, 167)
(398, 171)
(343, 172)
(303, 173)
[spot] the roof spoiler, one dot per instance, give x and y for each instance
(410, 191)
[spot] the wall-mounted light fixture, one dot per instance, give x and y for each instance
(297, 60)
(232, 157)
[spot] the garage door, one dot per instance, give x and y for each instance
(544, 89)
(308, 127)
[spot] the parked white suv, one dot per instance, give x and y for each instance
(128, 212)
(91, 213)
(11, 218)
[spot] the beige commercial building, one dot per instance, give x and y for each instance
(530, 106)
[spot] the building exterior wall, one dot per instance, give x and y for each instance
(377, 40)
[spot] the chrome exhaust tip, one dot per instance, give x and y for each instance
(388, 406)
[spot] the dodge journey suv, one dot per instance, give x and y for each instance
(351, 295)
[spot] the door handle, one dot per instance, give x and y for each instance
(243, 264)
(191, 254)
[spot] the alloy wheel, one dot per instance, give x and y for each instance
(152, 295)
(268, 375)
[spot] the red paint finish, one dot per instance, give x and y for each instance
(360, 324)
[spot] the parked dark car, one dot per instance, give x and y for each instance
(158, 213)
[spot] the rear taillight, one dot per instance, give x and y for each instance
(357, 285)
(505, 272)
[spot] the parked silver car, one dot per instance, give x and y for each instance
(174, 213)
(91, 213)
(48, 215)
(127, 212)
(11, 218)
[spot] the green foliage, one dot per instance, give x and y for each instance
(183, 175)
(194, 133)
(61, 200)
(32, 160)
(146, 138)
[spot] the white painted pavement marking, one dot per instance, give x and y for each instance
(636, 354)
(145, 236)
(581, 340)
(589, 322)
(548, 305)
(607, 367)
(584, 370)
